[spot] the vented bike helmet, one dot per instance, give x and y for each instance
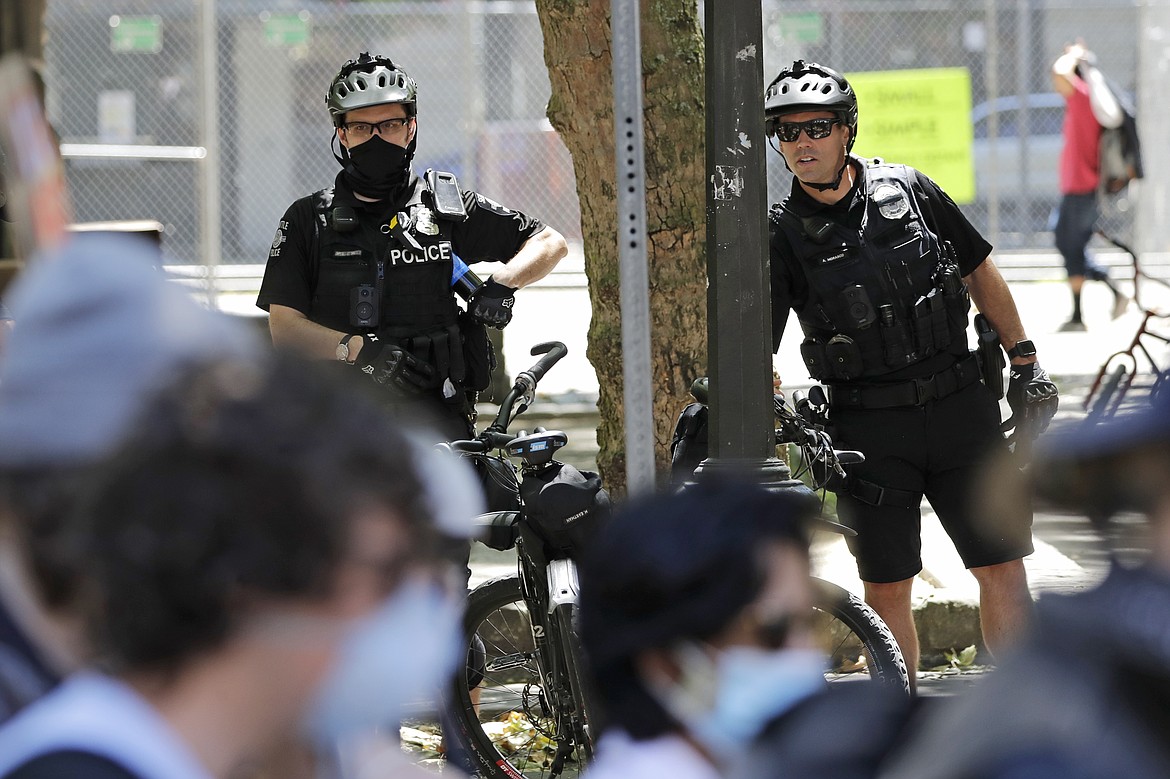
(369, 81)
(810, 87)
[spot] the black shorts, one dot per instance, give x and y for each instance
(937, 450)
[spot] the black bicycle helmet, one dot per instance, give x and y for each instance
(810, 87)
(369, 81)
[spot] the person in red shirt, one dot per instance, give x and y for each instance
(1090, 106)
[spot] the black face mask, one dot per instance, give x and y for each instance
(377, 168)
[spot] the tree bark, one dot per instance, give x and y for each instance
(22, 26)
(577, 51)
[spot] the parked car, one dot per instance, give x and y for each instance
(1019, 166)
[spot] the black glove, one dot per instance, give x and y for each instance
(492, 304)
(396, 368)
(1032, 397)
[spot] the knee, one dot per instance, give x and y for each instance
(1069, 245)
(889, 593)
(1009, 574)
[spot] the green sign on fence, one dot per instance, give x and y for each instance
(920, 118)
(284, 30)
(802, 28)
(136, 33)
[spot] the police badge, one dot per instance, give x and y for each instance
(424, 221)
(891, 201)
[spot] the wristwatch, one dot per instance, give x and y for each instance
(342, 351)
(1022, 349)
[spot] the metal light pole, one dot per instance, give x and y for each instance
(209, 222)
(738, 305)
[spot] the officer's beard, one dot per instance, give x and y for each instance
(377, 169)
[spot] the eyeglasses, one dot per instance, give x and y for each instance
(815, 129)
(366, 129)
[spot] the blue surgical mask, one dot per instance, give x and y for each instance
(725, 701)
(400, 654)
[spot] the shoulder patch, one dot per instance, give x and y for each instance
(278, 241)
(487, 203)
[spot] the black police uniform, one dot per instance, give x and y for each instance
(332, 253)
(884, 311)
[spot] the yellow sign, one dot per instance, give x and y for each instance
(920, 118)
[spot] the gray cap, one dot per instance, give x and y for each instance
(98, 330)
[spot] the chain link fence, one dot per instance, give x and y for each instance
(1007, 48)
(210, 116)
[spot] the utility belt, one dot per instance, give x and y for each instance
(461, 352)
(913, 392)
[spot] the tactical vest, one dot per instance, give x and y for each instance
(881, 297)
(402, 267)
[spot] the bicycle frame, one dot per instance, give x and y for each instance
(548, 586)
(1119, 371)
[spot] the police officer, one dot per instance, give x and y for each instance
(366, 271)
(880, 266)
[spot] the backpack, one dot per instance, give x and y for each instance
(1120, 148)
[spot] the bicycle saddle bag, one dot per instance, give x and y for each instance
(565, 506)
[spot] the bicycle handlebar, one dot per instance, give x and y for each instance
(553, 351)
(495, 435)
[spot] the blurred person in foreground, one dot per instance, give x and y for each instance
(6, 324)
(260, 563)
(100, 331)
(99, 307)
(1088, 695)
(1090, 107)
(696, 617)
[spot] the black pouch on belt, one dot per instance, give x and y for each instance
(923, 332)
(895, 346)
(843, 354)
(478, 356)
(938, 319)
(813, 354)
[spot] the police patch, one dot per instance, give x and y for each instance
(279, 240)
(891, 201)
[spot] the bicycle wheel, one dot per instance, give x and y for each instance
(856, 640)
(513, 729)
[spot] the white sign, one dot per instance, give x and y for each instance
(116, 116)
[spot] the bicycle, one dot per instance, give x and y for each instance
(856, 640)
(1119, 373)
(524, 704)
(523, 701)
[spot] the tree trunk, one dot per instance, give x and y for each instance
(22, 26)
(578, 53)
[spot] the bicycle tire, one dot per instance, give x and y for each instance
(858, 643)
(508, 733)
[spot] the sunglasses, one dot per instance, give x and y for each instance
(815, 129)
